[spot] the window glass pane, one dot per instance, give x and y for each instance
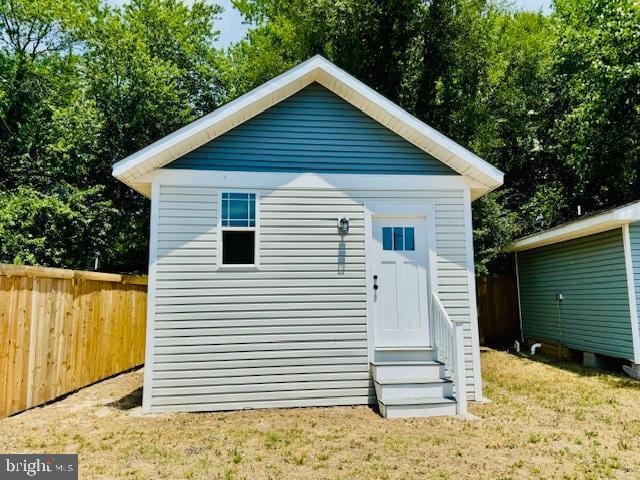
(237, 223)
(409, 243)
(387, 240)
(238, 209)
(225, 211)
(238, 247)
(398, 243)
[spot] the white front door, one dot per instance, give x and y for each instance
(400, 272)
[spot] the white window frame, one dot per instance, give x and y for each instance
(256, 229)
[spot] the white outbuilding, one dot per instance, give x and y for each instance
(311, 245)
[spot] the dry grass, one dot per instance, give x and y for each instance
(545, 421)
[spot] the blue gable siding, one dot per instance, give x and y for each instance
(590, 273)
(312, 131)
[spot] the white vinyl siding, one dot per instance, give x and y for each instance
(293, 333)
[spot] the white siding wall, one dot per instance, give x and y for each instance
(293, 333)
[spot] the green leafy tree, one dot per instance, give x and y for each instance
(150, 69)
(473, 69)
(38, 229)
(550, 100)
(493, 233)
(596, 67)
(371, 39)
(82, 85)
(36, 73)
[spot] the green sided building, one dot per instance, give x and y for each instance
(579, 284)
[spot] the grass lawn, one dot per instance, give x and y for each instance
(545, 421)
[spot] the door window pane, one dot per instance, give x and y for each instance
(398, 243)
(387, 239)
(409, 243)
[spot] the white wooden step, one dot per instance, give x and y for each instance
(391, 390)
(407, 369)
(417, 407)
(393, 354)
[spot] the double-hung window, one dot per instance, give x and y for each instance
(238, 229)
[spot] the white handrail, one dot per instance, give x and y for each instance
(448, 339)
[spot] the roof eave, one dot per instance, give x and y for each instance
(579, 228)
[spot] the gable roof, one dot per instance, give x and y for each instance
(133, 168)
(587, 225)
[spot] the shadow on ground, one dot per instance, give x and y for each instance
(611, 371)
(129, 401)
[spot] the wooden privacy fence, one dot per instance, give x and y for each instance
(64, 329)
(498, 315)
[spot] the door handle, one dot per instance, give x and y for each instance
(375, 282)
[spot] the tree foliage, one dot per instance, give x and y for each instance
(596, 78)
(82, 85)
(474, 70)
(552, 100)
(69, 216)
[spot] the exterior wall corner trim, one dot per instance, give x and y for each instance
(473, 307)
(633, 308)
(147, 394)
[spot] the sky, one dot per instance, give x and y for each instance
(535, 5)
(232, 29)
(230, 25)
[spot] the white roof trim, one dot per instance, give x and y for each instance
(316, 69)
(580, 228)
